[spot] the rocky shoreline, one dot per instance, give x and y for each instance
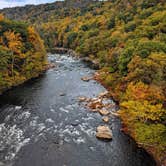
(17, 83)
(150, 150)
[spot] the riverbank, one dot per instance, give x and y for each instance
(129, 128)
(18, 80)
(157, 151)
(45, 116)
(22, 53)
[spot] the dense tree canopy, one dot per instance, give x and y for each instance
(22, 53)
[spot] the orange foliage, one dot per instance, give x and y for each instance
(14, 41)
(1, 17)
(140, 91)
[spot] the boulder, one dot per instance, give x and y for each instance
(2, 164)
(18, 107)
(103, 94)
(116, 114)
(104, 112)
(86, 79)
(104, 132)
(106, 119)
(82, 99)
(62, 94)
(95, 103)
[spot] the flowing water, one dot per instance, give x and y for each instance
(43, 124)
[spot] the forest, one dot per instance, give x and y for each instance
(126, 37)
(22, 53)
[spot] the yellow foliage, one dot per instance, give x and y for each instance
(14, 41)
(142, 111)
(35, 39)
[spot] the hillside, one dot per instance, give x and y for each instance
(22, 53)
(128, 39)
(47, 12)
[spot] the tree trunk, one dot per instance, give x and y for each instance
(12, 67)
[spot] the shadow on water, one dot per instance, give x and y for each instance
(41, 127)
(9, 97)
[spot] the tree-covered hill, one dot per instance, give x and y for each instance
(128, 39)
(47, 12)
(22, 53)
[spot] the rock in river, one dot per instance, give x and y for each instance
(86, 79)
(75, 123)
(82, 99)
(104, 132)
(104, 112)
(103, 94)
(105, 119)
(95, 103)
(62, 94)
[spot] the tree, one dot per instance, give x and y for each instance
(1, 17)
(14, 44)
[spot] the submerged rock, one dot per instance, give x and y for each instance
(86, 79)
(75, 123)
(104, 132)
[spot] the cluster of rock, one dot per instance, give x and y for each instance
(94, 64)
(50, 66)
(62, 50)
(101, 106)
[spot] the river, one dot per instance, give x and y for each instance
(42, 123)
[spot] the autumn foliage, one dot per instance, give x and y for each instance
(127, 39)
(22, 53)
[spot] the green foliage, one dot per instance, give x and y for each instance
(145, 48)
(92, 33)
(152, 135)
(84, 27)
(124, 59)
(4, 58)
(149, 70)
(131, 26)
(70, 38)
(111, 23)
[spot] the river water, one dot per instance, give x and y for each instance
(42, 123)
